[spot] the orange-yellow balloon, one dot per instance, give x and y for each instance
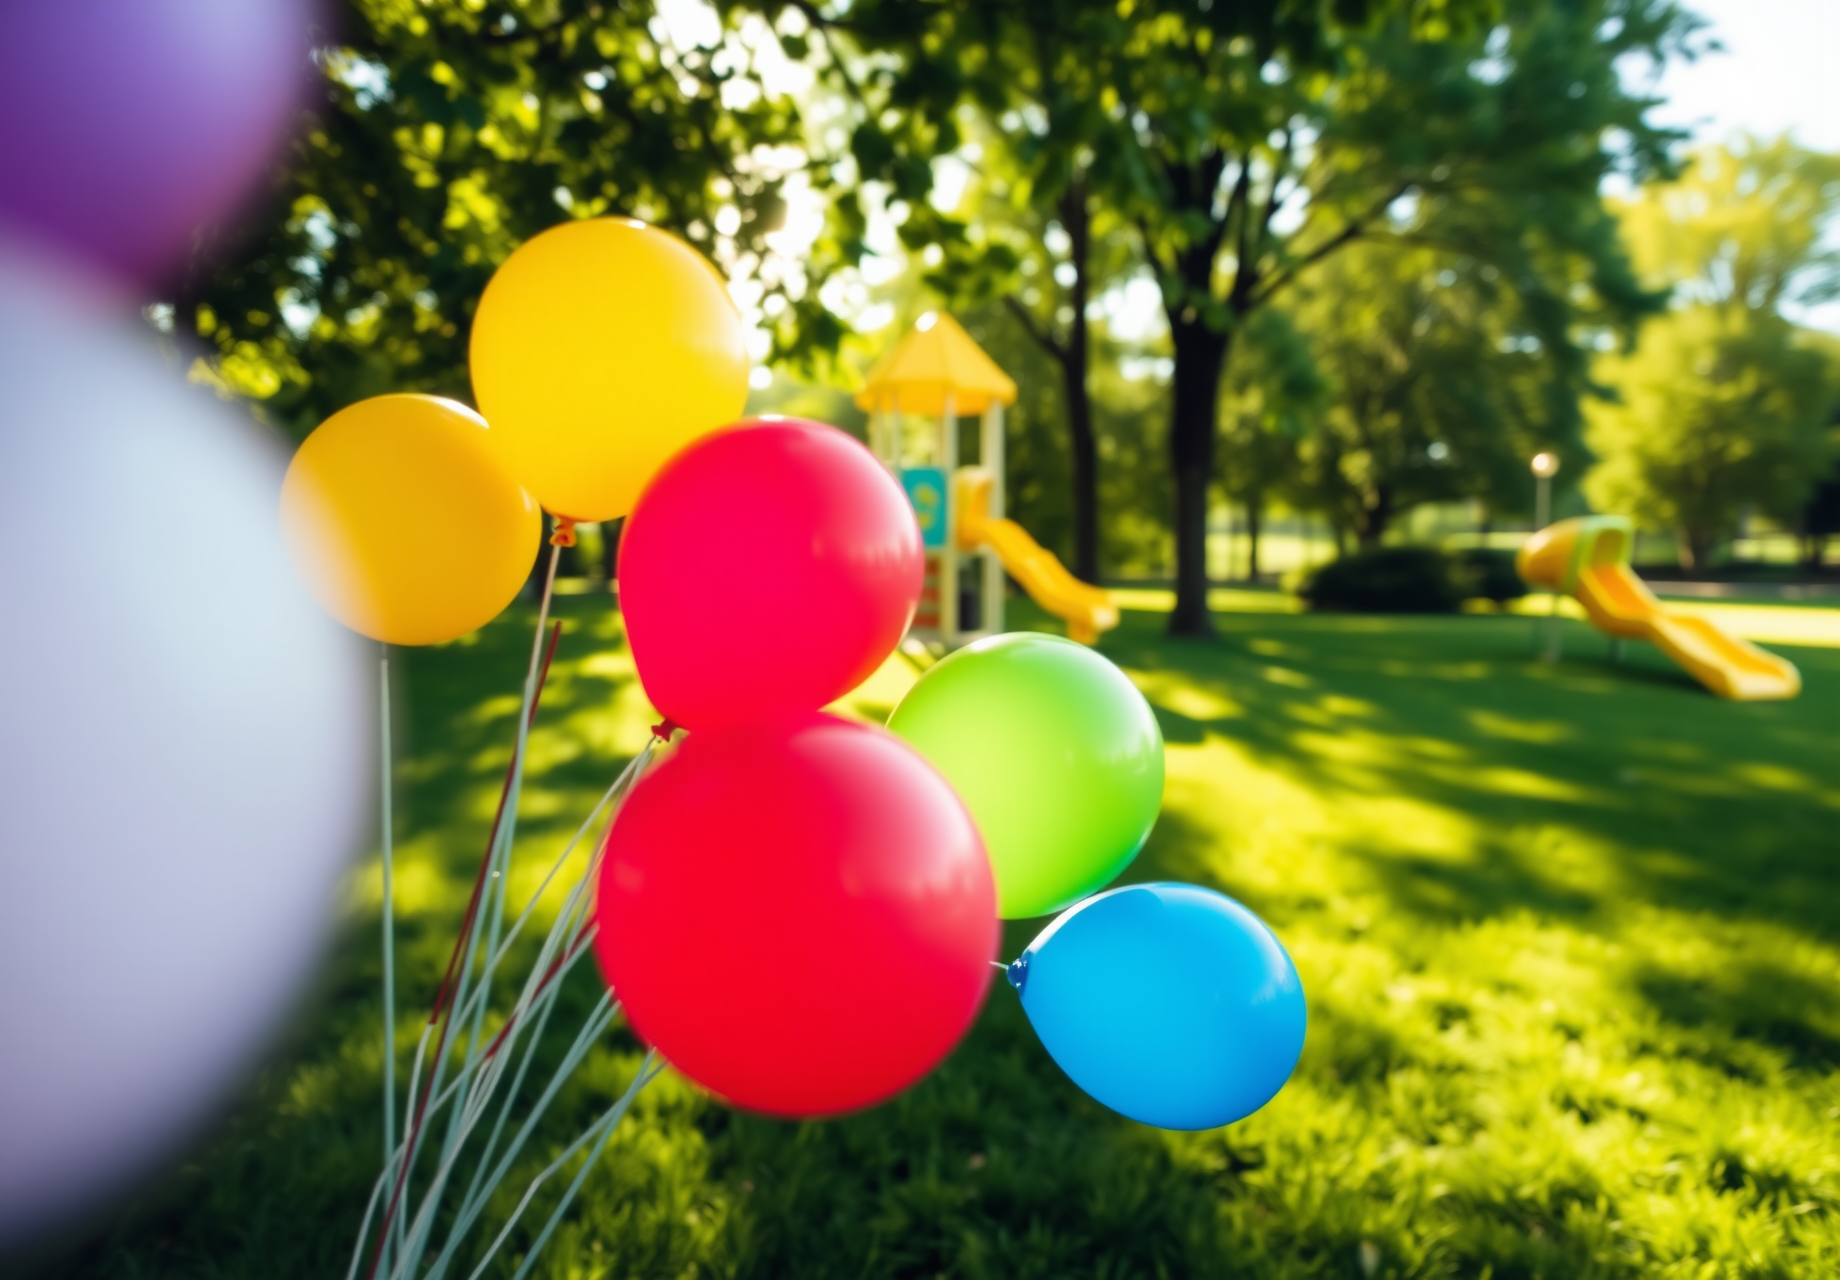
(601, 348)
(405, 522)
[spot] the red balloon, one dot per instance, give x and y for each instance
(768, 568)
(799, 915)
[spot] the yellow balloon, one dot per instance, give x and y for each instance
(601, 348)
(404, 521)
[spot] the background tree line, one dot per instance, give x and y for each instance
(1375, 232)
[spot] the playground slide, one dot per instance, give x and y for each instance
(1589, 559)
(1086, 609)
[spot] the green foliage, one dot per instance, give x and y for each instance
(1386, 580)
(1129, 441)
(1273, 394)
(1744, 226)
(1724, 403)
(1409, 579)
(449, 132)
(1717, 408)
(1246, 142)
(1439, 388)
(1488, 573)
(1568, 936)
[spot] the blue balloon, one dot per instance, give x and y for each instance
(1169, 1003)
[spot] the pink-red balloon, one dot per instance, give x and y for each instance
(767, 569)
(798, 915)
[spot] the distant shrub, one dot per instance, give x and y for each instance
(1387, 580)
(1489, 574)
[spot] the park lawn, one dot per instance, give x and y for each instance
(1570, 937)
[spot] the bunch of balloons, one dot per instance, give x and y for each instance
(801, 913)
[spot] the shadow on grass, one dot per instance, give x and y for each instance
(1456, 714)
(1440, 784)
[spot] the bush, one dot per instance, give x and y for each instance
(1388, 580)
(1489, 574)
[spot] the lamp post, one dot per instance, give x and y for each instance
(1545, 467)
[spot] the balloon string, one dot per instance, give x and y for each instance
(445, 993)
(389, 923)
(557, 965)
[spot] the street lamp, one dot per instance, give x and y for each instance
(1545, 467)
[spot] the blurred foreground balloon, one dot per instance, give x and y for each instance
(602, 347)
(1171, 1004)
(1056, 754)
(404, 522)
(770, 568)
(798, 916)
(133, 122)
(183, 757)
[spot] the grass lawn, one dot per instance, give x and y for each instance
(1570, 936)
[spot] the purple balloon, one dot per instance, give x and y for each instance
(125, 125)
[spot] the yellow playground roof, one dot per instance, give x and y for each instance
(937, 358)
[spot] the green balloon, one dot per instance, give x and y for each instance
(1055, 753)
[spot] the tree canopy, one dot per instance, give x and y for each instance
(1725, 404)
(448, 132)
(1438, 388)
(1244, 144)
(1385, 268)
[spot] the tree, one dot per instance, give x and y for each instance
(1274, 392)
(1061, 328)
(1718, 407)
(1489, 145)
(1034, 243)
(1724, 403)
(1247, 142)
(1820, 518)
(1742, 227)
(449, 131)
(1438, 388)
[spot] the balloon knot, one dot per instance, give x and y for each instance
(664, 729)
(1018, 973)
(564, 536)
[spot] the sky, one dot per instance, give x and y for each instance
(1780, 72)
(1777, 70)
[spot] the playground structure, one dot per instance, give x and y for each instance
(1588, 559)
(938, 374)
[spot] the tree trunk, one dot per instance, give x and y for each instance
(1695, 548)
(1201, 357)
(1253, 513)
(1076, 220)
(1374, 520)
(610, 545)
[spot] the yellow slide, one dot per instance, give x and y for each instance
(1589, 559)
(1086, 609)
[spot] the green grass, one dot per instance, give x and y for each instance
(1570, 936)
